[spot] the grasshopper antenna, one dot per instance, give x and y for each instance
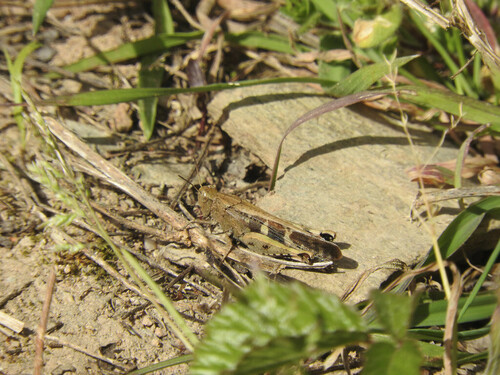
(188, 182)
(182, 191)
(196, 167)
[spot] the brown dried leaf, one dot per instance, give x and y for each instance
(441, 174)
(247, 10)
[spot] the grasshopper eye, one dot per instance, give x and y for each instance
(328, 235)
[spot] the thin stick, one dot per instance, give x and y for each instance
(84, 351)
(42, 327)
(195, 168)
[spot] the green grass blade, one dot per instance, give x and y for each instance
(462, 227)
(434, 355)
(434, 313)
(163, 18)
(104, 97)
(40, 9)
(458, 105)
(365, 77)
(328, 8)
(16, 69)
(432, 334)
(461, 84)
(127, 51)
(163, 364)
(16, 72)
(270, 42)
(149, 75)
(489, 265)
(182, 331)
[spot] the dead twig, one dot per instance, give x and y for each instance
(84, 351)
(464, 192)
(195, 168)
(42, 327)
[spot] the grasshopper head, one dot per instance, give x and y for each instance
(206, 197)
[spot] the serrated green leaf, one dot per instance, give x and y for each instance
(378, 357)
(273, 325)
(406, 359)
(393, 312)
(385, 358)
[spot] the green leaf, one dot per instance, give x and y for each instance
(149, 75)
(363, 78)
(127, 51)
(393, 312)
(103, 97)
(385, 358)
(273, 325)
(16, 72)
(462, 227)
(16, 68)
(433, 355)
(434, 313)
(432, 334)
(40, 9)
(372, 33)
(163, 18)
(163, 364)
(479, 283)
(458, 105)
(270, 42)
(327, 7)
(461, 84)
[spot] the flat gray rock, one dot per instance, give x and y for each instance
(344, 171)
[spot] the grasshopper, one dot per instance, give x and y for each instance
(264, 233)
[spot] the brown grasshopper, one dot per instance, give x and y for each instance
(264, 233)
